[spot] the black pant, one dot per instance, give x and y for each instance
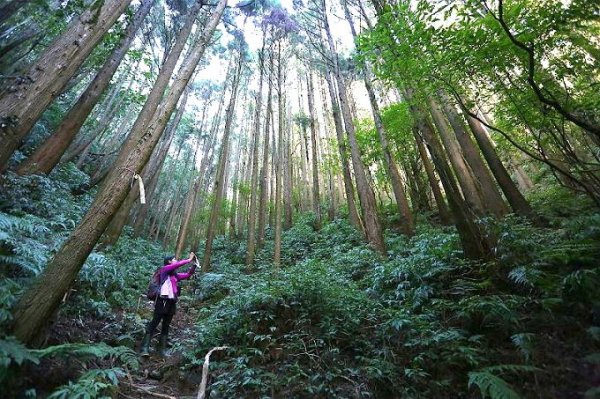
(164, 309)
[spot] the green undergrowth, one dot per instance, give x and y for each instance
(37, 214)
(339, 320)
(336, 320)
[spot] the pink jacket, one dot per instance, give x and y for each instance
(166, 269)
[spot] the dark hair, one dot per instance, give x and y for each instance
(168, 259)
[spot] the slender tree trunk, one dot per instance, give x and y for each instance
(287, 165)
(348, 185)
(489, 191)
(40, 301)
(160, 160)
(388, 161)
(476, 244)
(190, 201)
(109, 108)
(463, 173)
(25, 101)
(264, 174)
(279, 171)
(316, 200)
(445, 216)
(254, 191)
(219, 179)
(235, 192)
(115, 228)
(516, 200)
(373, 229)
(47, 156)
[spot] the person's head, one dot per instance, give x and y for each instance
(169, 259)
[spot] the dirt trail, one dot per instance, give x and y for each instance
(160, 377)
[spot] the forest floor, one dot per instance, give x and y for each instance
(157, 377)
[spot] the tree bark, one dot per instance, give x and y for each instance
(316, 198)
(265, 172)
(463, 173)
(341, 143)
(279, 172)
(476, 244)
(445, 216)
(489, 191)
(160, 160)
(373, 227)
(40, 301)
(219, 179)
(47, 156)
(390, 165)
(254, 191)
(26, 100)
(516, 200)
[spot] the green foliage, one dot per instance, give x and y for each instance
(338, 319)
(92, 384)
(119, 354)
(97, 383)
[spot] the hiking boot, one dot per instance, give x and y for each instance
(145, 349)
(162, 345)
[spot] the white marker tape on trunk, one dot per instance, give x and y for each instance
(142, 190)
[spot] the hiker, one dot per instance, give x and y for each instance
(165, 303)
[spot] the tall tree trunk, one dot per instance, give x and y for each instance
(190, 201)
(390, 165)
(476, 244)
(279, 171)
(160, 160)
(254, 191)
(264, 174)
(493, 199)
(47, 156)
(445, 216)
(287, 165)
(463, 172)
(25, 101)
(373, 229)
(316, 200)
(115, 228)
(235, 182)
(219, 179)
(149, 112)
(109, 108)
(341, 143)
(516, 200)
(40, 301)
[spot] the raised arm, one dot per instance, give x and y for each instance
(172, 266)
(188, 274)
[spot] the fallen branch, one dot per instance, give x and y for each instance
(149, 392)
(202, 391)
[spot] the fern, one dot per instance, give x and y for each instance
(525, 276)
(13, 351)
(92, 384)
(120, 353)
(524, 342)
(493, 386)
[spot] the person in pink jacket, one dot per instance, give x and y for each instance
(165, 304)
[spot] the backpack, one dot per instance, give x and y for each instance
(154, 286)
